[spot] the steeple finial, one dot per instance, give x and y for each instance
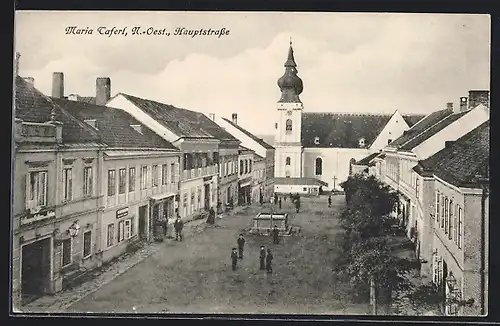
(290, 41)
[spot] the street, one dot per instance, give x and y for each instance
(195, 276)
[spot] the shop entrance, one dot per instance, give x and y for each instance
(35, 270)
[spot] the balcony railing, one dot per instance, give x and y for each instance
(199, 172)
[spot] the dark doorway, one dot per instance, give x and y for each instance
(35, 269)
(142, 221)
(443, 285)
(207, 197)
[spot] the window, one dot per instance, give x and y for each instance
(122, 181)
(154, 175)
(275, 125)
(131, 179)
(450, 222)
(417, 188)
(111, 182)
(111, 234)
(246, 166)
(199, 197)
(437, 207)
(288, 125)
(446, 215)
(316, 140)
(124, 230)
(249, 165)
(442, 211)
(225, 169)
(172, 173)
(144, 175)
(164, 172)
(319, 166)
(351, 162)
(193, 190)
(37, 189)
(68, 184)
(287, 161)
(242, 167)
(389, 141)
(455, 224)
(361, 142)
(87, 244)
(66, 252)
(460, 230)
(87, 182)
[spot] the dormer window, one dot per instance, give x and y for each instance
(361, 142)
(316, 140)
(92, 123)
(137, 128)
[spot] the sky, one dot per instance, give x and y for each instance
(349, 62)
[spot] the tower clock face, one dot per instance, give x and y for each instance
(289, 112)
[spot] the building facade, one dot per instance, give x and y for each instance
(199, 139)
(56, 195)
(256, 144)
(245, 175)
(458, 220)
(258, 178)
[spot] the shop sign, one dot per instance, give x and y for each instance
(122, 212)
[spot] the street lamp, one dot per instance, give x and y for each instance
(74, 229)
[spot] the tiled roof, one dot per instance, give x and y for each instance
(182, 122)
(344, 130)
(244, 149)
(258, 140)
(34, 106)
(461, 161)
(367, 160)
(423, 136)
(428, 121)
(113, 125)
(87, 99)
(299, 181)
(267, 138)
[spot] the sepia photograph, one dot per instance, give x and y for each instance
(256, 163)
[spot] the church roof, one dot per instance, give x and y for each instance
(300, 181)
(344, 130)
(367, 159)
(462, 160)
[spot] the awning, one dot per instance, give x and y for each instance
(162, 196)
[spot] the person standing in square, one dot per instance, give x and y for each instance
(241, 245)
(234, 258)
(269, 260)
(262, 258)
(276, 235)
(178, 226)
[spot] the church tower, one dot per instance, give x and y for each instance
(288, 153)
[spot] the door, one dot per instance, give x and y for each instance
(207, 197)
(35, 269)
(142, 221)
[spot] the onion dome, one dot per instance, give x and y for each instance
(290, 84)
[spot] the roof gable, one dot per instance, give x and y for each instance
(460, 162)
(182, 122)
(256, 139)
(32, 105)
(114, 125)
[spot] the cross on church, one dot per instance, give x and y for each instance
(334, 179)
(290, 41)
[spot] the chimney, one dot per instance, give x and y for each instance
(73, 97)
(448, 143)
(16, 63)
(479, 97)
(234, 117)
(463, 104)
(58, 85)
(102, 90)
(211, 116)
(30, 80)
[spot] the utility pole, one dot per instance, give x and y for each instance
(334, 179)
(373, 296)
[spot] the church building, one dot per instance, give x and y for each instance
(317, 150)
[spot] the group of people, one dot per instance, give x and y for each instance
(266, 257)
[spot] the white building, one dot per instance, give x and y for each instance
(315, 150)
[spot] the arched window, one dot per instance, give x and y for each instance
(287, 161)
(319, 166)
(289, 125)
